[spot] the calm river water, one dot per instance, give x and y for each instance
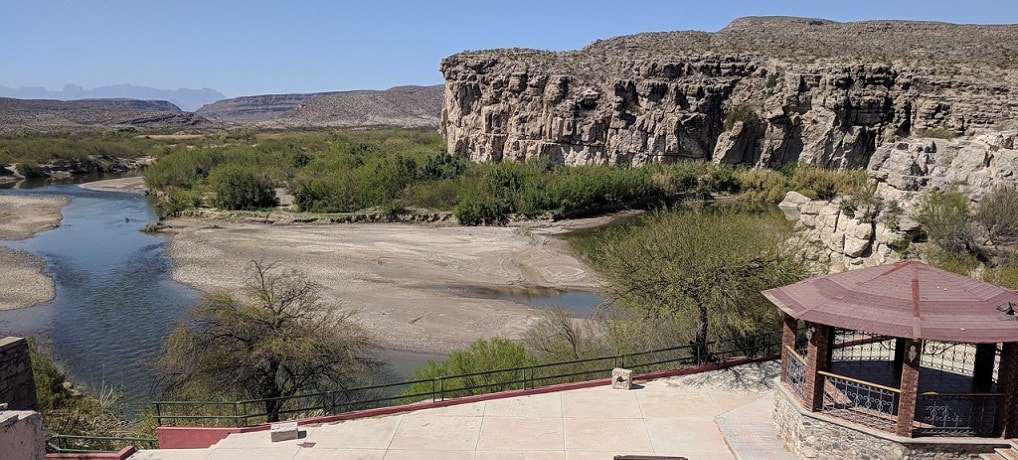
(115, 301)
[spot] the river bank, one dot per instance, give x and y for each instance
(21, 217)
(409, 283)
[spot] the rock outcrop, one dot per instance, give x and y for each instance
(250, 108)
(849, 234)
(761, 92)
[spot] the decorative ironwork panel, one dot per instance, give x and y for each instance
(956, 414)
(795, 375)
(959, 358)
(861, 346)
(842, 394)
(996, 363)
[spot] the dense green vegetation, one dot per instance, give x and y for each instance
(396, 171)
(964, 237)
(67, 410)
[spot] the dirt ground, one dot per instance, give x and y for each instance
(406, 281)
(24, 284)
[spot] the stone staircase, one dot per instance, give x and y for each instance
(1004, 453)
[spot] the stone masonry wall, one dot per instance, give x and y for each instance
(813, 438)
(17, 387)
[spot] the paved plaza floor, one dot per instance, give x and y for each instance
(687, 416)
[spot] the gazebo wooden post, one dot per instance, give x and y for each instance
(1007, 410)
(909, 387)
(816, 360)
(787, 342)
(982, 367)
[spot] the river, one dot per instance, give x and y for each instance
(116, 303)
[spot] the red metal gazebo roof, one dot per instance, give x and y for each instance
(907, 299)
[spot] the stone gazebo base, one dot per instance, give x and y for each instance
(814, 435)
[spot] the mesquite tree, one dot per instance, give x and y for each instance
(703, 266)
(278, 340)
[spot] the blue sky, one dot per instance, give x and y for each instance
(243, 47)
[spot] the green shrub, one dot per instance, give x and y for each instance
(31, 170)
(240, 187)
(481, 356)
(479, 210)
(174, 200)
(825, 184)
(944, 217)
(761, 185)
(746, 113)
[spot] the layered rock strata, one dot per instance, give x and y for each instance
(762, 92)
(849, 235)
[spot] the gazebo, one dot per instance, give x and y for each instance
(898, 351)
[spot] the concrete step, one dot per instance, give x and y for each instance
(992, 456)
(1007, 453)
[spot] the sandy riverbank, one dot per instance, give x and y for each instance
(404, 280)
(24, 283)
(127, 184)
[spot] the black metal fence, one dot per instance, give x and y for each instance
(958, 414)
(253, 411)
(62, 443)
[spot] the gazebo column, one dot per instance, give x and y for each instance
(909, 387)
(816, 360)
(982, 367)
(787, 342)
(1007, 410)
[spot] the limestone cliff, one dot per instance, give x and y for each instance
(849, 237)
(762, 92)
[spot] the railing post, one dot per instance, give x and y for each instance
(159, 420)
(434, 391)
(236, 415)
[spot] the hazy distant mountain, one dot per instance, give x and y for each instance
(187, 99)
(95, 115)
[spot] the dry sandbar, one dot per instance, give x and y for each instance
(397, 276)
(134, 184)
(24, 283)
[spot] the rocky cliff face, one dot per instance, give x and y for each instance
(761, 92)
(849, 237)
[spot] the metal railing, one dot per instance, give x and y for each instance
(253, 411)
(860, 401)
(62, 443)
(852, 345)
(795, 373)
(956, 414)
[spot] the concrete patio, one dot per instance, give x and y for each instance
(688, 416)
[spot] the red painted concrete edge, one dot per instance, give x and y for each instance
(198, 437)
(193, 437)
(119, 455)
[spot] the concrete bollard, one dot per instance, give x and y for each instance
(283, 431)
(622, 379)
